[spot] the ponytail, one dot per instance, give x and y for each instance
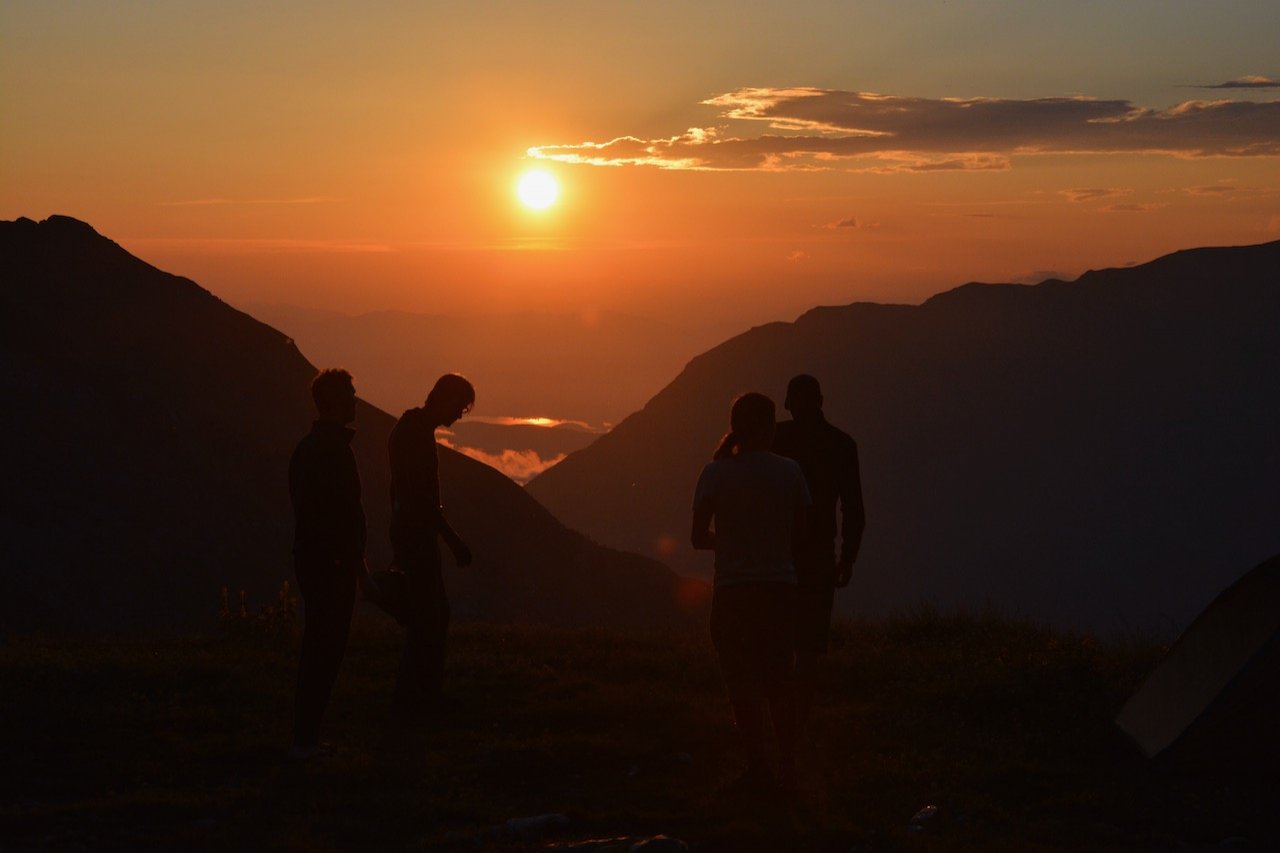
(729, 446)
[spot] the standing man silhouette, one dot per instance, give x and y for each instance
(417, 525)
(829, 459)
(328, 549)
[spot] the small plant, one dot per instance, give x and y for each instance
(271, 619)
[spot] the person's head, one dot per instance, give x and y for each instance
(334, 394)
(804, 398)
(751, 423)
(450, 398)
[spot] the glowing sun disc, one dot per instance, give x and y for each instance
(538, 190)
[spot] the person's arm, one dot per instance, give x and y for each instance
(368, 586)
(853, 515)
(701, 535)
(461, 553)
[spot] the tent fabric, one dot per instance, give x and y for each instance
(1217, 686)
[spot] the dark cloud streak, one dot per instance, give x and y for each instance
(1250, 81)
(824, 129)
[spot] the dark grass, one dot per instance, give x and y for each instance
(1004, 726)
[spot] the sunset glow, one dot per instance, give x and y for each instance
(874, 153)
(538, 190)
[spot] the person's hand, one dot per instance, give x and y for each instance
(461, 553)
(844, 572)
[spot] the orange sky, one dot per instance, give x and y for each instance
(322, 155)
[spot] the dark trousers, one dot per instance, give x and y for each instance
(815, 595)
(426, 617)
(328, 598)
(752, 628)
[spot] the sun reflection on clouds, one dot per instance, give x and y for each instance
(520, 465)
(537, 421)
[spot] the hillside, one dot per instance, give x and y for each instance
(1006, 729)
(147, 434)
(1103, 452)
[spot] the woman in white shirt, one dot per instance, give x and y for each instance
(756, 500)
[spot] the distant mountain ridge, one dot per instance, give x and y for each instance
(594, 367)
(147, 433)
(1099, 453)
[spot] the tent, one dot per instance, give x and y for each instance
(1215, 697)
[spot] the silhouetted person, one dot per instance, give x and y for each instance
(756, 500)
(328, 549)
(417, 525)
(829, 459)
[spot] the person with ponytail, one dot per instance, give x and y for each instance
(748, 506)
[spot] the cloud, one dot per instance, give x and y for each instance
(797, 256)
(1249, 81)
(819, 129)
(520, 465)
(1093, 194)
(1212, 190)
(1132, 207)
(853, 222)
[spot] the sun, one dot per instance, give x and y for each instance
(538, 190)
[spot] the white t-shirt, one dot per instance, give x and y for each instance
(753, 499)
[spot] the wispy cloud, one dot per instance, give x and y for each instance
(1133, 207)
(1249, 81)
(1211, 190)
(1093, 193)
(212, 202)
(853, 222)
(812, 129)
(520, 465)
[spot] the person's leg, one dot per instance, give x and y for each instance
(436, 633)
(730, 616)
(328, 596)
(773, 650)
(421, 665)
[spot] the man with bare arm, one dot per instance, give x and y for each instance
(417, 525)
(829, 459)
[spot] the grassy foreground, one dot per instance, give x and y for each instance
(1005, 727)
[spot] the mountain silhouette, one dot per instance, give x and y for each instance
(1102, 453)
(147, 434)
(595, 367)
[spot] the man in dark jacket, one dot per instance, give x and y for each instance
(328, 549)
(829, 459)
(417, 525)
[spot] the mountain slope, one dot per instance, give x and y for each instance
(148, 434)
(1103, 452)
(594, 367)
